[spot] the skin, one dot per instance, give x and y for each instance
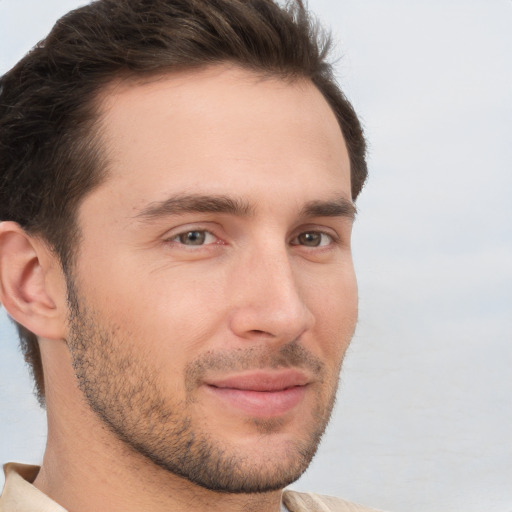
(171, 308)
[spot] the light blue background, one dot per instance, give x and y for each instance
(424, 414)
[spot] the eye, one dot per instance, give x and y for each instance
(195, 237)
(313, 239)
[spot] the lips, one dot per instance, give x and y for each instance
(260, 393)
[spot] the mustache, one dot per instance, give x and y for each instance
(290, 355)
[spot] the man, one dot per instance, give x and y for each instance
(177, 194)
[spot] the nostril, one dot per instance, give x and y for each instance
(259, 333)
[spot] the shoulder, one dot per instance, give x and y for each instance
(310, 502)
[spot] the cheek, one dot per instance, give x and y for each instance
(335, 307)
(169, 314)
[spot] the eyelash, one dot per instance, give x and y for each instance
(178, 238)
(331, 239)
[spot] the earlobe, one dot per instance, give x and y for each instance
(29, 287)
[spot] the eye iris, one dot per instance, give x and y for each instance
(310, 239)
(193, 238)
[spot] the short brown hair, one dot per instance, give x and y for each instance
(49, 157)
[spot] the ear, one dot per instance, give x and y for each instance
(32, 285)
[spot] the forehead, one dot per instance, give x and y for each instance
(220, 130)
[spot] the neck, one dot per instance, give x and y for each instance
(85, 475)
(86, 468)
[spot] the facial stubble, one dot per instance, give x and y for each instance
(123, 391)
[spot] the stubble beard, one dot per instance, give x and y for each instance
(124, 393)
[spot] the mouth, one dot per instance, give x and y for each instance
(261, 394)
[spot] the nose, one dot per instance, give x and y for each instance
(267, 300)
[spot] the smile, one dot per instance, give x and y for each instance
(261, 394)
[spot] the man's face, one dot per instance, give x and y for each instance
(213, 297)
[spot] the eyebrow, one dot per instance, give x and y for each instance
(340, 207)
(193, 203)
(181, 204)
